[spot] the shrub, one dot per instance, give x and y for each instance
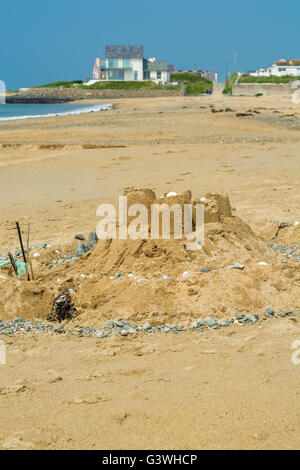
(195, 84)
(272, 79)
(64, 84)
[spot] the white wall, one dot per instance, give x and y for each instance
(165, 77)
(275, 70)
(137, 65)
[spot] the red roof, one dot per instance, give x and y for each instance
(293, 62)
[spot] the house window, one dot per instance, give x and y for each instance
(113, 63)
(136, 75)
(126, 63)
(158, 75)
(146, 75)
(116, 75)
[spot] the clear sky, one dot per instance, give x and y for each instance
(44, 41)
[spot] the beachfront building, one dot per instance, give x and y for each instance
(279, 68)
(128, 63)
(210, 75)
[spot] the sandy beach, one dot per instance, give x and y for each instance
(234, 387)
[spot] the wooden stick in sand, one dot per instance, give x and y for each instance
(28, 256)
(22, 248)
(13, 263)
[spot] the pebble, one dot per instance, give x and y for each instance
(79, 236)
(210, 322)
(19, 325)
(165, 277)
(186, 275)
(269, 312)
(100, 334)
(82, 248)
(92, 240)
(290, 251)
(236, 266)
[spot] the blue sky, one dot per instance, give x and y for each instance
(58, 40)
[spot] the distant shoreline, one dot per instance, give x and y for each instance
(17, 99)
(26, 111)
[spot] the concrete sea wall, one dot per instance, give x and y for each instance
(61, 93)
(267, 89)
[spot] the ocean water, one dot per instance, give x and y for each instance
(11, 112)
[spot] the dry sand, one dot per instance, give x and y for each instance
(221, 389)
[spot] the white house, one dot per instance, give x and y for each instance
(128, 63)
(279, 68)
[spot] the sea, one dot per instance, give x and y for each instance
(11, 112)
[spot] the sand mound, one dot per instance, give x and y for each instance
(144, 279)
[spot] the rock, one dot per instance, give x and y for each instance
(210, 322)
(186, 275)
(81, 249)
(269, 312)
(132, 331)
(58, 329)
(244, 319)
(207, 270)
(120, 323)
(79, 236)
(236, 266)
(165, 277)
(146, 326)
(92, 240)
(100, 334)
(253, 318)
(110, 325)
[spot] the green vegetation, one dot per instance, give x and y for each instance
(64, 84)
(272, 79)
(113, 85)
(130, 85)
(228, 86)
(195, 84)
